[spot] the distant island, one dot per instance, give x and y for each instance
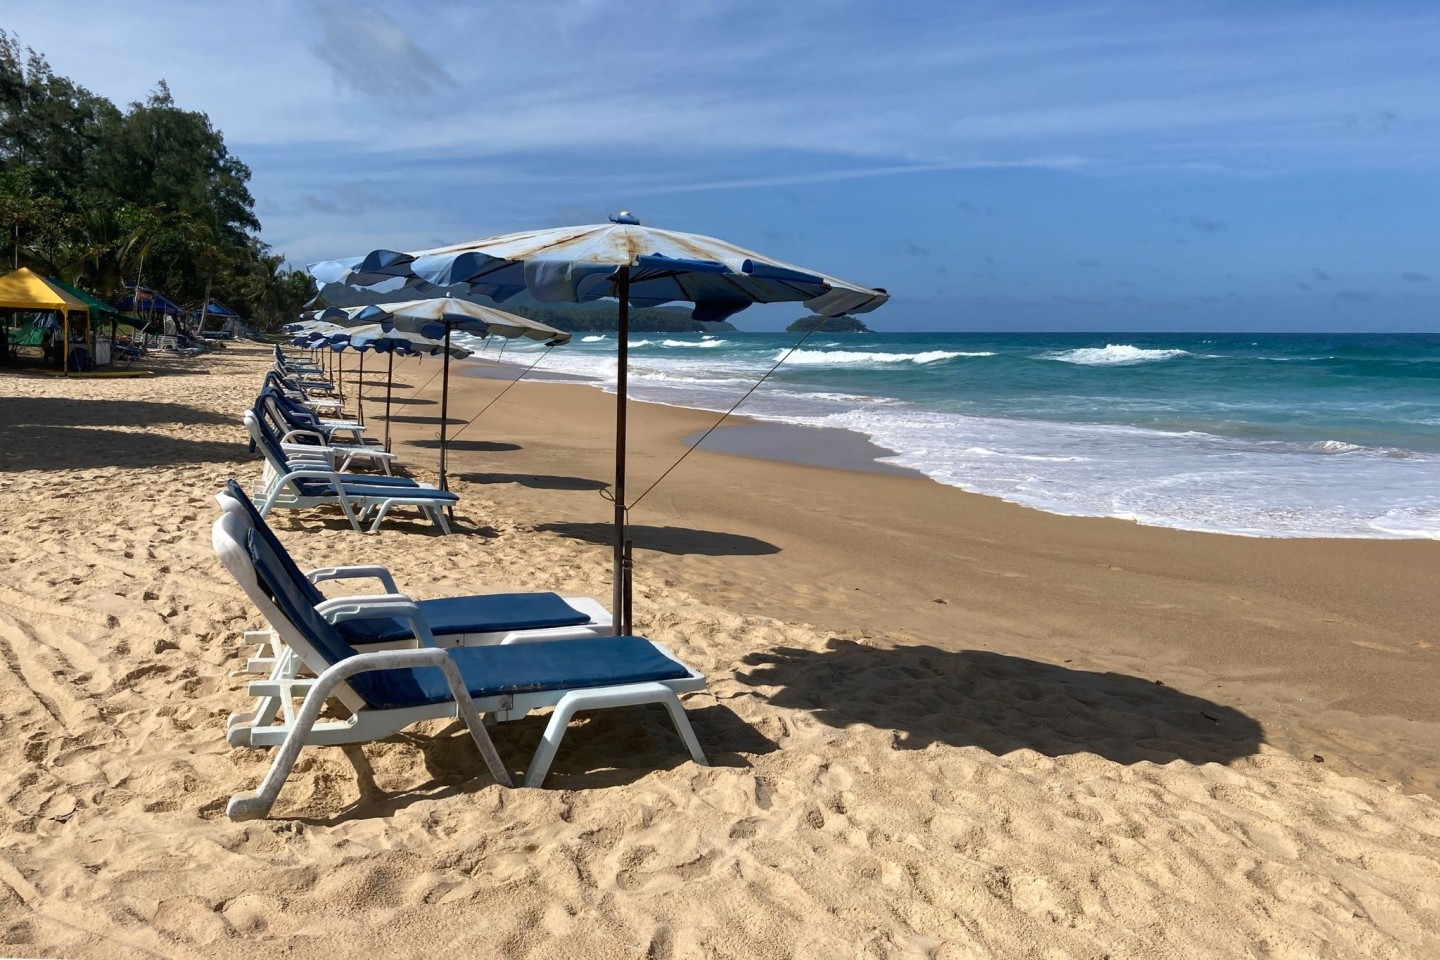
(828, 325)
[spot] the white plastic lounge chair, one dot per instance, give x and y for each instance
(389, 690)
(482, 620)
(305, 418)
(301, 486)
(303, 392)
(308, 444)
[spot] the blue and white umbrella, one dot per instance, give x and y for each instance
(435, 319)
(634, 264)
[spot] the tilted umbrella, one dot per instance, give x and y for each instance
(374, 336)
(622, 259)
(436, 318)
(331, 327)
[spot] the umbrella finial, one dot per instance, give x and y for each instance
(625, 216)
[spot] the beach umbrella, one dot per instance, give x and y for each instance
(623, 259)
(328, 328)
(374, 336)
(436, 319)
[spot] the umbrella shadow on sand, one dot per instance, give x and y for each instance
(472, 446)
(537, 481)
(680, 541)
(1001, 703)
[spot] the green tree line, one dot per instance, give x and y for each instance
(96, 196)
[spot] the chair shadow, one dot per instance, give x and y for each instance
(470, 446)
(540, 482)
(681, 541)
(400, 520)
(1001, 703)
(35, 447)
(403, 401)
(606, 748)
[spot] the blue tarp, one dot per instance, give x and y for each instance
(145, 300)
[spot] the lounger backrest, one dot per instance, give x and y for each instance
(282, 408)
(293, 412)
(267, 442)
(257, 523)
(381, 688)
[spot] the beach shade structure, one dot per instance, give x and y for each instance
(25, 289)
(627, 261)
(436, 319)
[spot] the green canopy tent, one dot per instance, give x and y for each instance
(99, 310)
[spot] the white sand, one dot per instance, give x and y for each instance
(871, 795)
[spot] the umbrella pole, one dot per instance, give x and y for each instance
(360, 389)
(389, 387)
(444, 405)
(622, 378)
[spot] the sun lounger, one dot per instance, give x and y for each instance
(297, 391)
(302, 485)
(481, 620)
(386, 691)
(304, 418)
(310, 444)
(455, 621)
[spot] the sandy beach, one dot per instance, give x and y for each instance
(940, 725)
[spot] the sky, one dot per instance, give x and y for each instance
(994, 165)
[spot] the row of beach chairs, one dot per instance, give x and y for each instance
(387, 661)
(312, 454)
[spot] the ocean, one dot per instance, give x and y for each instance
(1274, 435)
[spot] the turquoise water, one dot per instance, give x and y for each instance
(1258, 434)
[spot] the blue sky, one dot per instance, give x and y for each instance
(1002, 165)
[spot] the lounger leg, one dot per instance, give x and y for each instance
(238, 726)
(627, 696)
(437, 516)
(256, 804)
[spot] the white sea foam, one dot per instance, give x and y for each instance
(1187, 479)
(632, 344)
(1114, 355)
(853, 357)
(706, 342)
(594, 338)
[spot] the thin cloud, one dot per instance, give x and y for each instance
(1410, 276)
(372, 54)
(1319, 274)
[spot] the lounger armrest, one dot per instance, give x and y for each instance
(393, 606)
(304, 434)
(321, 574)
(299, 453)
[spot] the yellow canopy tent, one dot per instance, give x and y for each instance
(27, 290)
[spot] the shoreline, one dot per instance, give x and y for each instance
(797, 443)
(1324, 638)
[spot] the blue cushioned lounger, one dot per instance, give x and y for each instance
(484, 614)
(388, 690)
